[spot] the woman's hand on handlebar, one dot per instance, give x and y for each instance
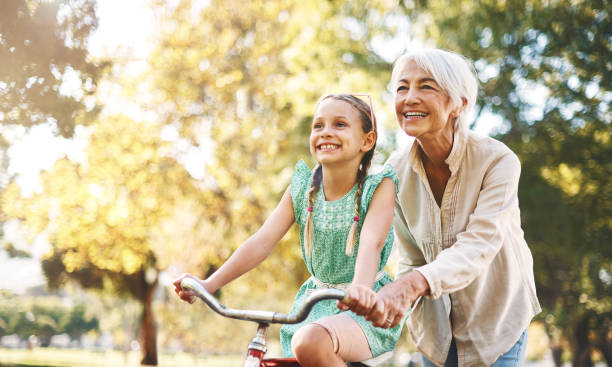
(184, 294)
(359, 298)
(395, 299)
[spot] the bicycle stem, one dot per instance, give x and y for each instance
(257, 347)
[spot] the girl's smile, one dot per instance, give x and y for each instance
(328, 147)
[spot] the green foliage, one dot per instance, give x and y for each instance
(545, 68)
(42, 44)
(12, 251)
(45, 74)
(240, 81)
(102, 216)
(237, 82)
(43, 317)
(104, 211)
(76, 323)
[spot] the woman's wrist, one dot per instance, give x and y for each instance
(421, 284)
(416, 283)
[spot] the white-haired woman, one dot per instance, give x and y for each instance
(457, 224)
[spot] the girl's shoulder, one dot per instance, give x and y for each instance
(387, 171)
(300, 184)
(301, 174)
(373, 180)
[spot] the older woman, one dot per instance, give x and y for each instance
(457, 224)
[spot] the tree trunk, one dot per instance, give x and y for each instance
(606, 352)
(581, 351)
(603, 340)
(148, 332)
(556, 348)
(557, 352)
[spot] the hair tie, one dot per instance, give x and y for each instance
(356, 218)
(309, 208)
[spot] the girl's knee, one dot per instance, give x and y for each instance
(311, 341)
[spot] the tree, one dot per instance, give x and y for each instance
(43, 49)
(240, 81)
(101, 215)
(42, 45)
(545, 69)
(43, 317)
(234, 81)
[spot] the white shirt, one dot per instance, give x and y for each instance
(471, 250)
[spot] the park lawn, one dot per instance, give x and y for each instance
(52, 357)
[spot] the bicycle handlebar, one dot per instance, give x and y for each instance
(262, 316)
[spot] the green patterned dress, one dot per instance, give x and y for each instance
(329, 263)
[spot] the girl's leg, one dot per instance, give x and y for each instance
(330, 342)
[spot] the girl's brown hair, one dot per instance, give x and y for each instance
(368, 124)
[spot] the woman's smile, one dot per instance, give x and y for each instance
(414, 115)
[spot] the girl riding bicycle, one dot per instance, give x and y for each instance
(345, 220)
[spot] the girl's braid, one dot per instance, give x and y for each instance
(317, 175)
(361, 176)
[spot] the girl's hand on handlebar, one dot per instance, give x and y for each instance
(184, 294)
(359, 298)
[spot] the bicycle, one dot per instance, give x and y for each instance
(257, 347)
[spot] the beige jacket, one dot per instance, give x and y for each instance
(471, 251)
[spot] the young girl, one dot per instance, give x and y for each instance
(345, 225)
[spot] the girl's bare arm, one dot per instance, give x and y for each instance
(371, 241)
(252, 252)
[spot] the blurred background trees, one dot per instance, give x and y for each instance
(239, 82)
(225, 101)
(43, 50)
(43, 47)
(101, 215)
(44, 317)
(545, 69)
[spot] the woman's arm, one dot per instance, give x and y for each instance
(251, 253)
(457, 266)
(372, 238)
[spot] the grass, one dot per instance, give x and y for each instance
(51, 357)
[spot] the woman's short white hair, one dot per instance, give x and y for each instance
(453, 72)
